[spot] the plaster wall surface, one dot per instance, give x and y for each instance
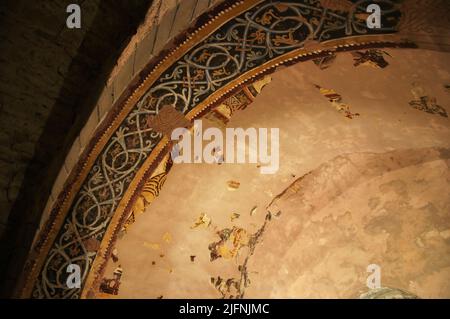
(372, 189)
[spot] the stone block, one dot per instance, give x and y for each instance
(89, 128)
(183, 16)
(73, 155)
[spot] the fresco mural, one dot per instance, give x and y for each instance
(373, 190)
(217, 70)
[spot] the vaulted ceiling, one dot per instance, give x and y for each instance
(350, 191)
(51, 78)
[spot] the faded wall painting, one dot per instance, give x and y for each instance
(231, 149)
(363, 179)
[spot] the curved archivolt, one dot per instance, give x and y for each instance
(240, 43)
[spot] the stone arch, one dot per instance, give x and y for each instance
(233, 44)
